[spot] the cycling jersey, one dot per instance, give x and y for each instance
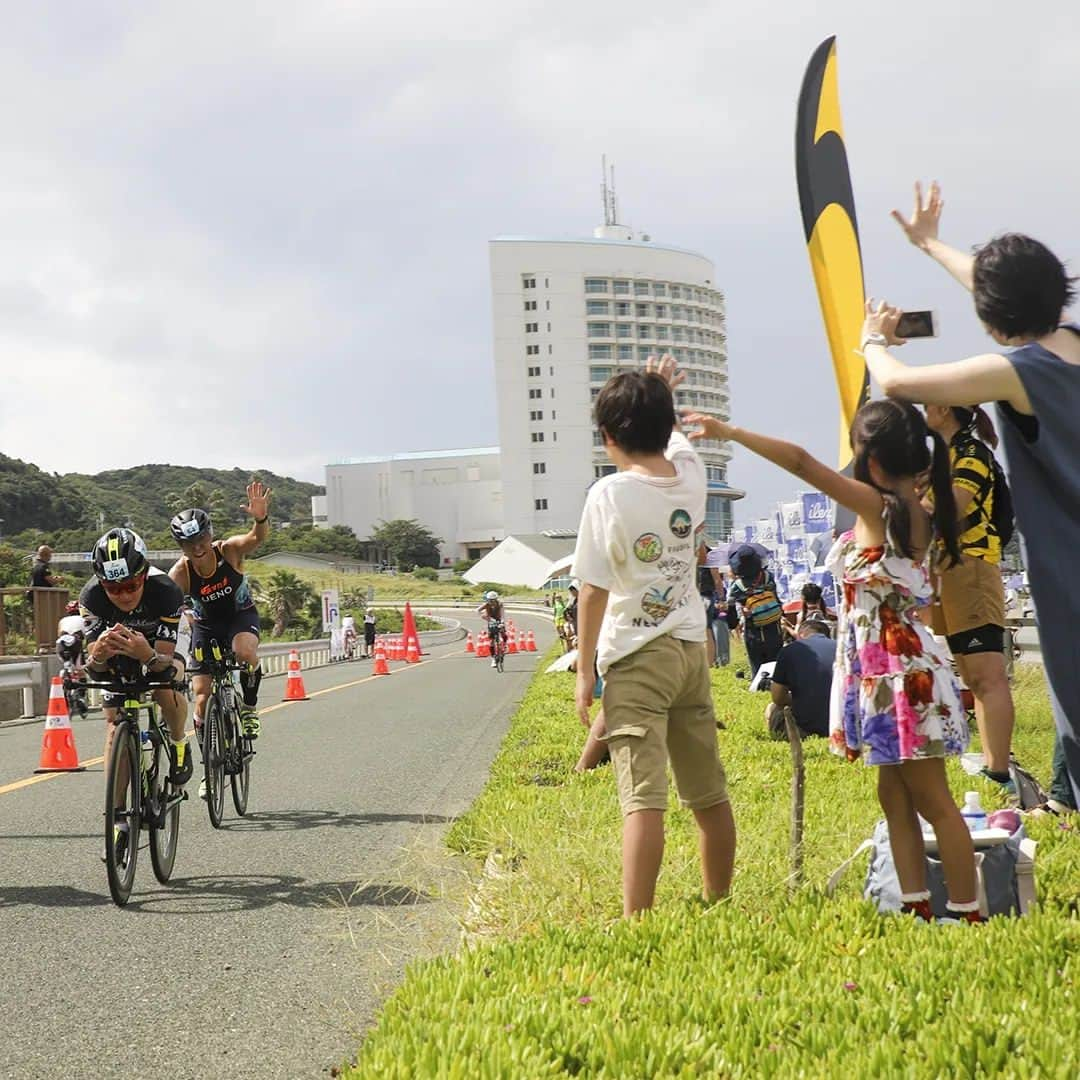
(492, 610)
(157, 617)
(216, 599)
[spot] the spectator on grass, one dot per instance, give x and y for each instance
(1021, 291)
(753, 594)
(645, 628)
(802, 681)
(970, 605)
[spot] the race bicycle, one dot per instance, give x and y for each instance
(497, 633)
(138, 791)
(226, 750)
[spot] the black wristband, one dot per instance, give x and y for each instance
(263, 520)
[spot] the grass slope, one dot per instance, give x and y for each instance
(556, 984)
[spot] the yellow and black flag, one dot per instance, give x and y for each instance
(832, 230)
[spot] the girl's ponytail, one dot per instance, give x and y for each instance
(945, 520)
(974, 418)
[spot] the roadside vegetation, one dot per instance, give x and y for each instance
(552, 982)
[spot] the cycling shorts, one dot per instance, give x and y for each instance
(244, 621)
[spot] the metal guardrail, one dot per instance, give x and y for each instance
(24, 677)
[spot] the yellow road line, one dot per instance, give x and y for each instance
(18, 785)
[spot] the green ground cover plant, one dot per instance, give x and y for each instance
(552, 982)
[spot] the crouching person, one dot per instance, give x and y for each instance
(640, 618)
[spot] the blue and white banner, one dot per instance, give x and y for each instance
(792, 513)
(796, 549)
(816, 512)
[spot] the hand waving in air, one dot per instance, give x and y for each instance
(922, 227)
(667, 369)
(258, 500)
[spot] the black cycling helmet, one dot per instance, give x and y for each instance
(190, 525)
(119, 554)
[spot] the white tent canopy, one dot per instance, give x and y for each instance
(528, 560)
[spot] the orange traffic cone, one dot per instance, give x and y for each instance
(412, 653)
(58, 752)
(469, 646)
(511, 644)
(530, 642)
(483, 649)
(294, 683)
(380, 659)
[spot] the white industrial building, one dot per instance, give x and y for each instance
(457, 494)
(567, 315)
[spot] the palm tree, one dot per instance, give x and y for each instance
(196, 494)
(286, 594)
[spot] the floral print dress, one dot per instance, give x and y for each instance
(894, 695)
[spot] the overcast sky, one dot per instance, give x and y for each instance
(256, 234)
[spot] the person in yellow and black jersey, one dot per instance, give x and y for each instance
(970, 606)
(131, 613)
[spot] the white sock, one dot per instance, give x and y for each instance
(915, 897)
(967, 905)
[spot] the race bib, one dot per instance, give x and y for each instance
(115, 570)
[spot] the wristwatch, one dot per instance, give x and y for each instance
(262, 520)
(875, 339)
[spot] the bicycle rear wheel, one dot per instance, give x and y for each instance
(214, 759)
(240, 779)
(123, 795)
(163, 836)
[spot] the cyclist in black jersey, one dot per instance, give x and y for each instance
(131, 612)
(492, 610)
(212, 574)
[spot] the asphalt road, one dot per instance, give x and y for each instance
(269, 952)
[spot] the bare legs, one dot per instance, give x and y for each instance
(643, 850)
(987, 678)
(919, 787)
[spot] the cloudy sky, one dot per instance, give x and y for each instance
(256, 234)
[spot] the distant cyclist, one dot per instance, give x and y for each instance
(211, 572)
(71, 649)
(131, 612)
(492, 610)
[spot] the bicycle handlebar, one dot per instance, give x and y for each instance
(132, 687)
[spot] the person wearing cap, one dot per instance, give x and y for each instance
(753, 594)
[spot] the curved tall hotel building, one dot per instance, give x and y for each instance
(568, 314)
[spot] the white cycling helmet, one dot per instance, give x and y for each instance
(491, 595)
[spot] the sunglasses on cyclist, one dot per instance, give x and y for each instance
(124, 588)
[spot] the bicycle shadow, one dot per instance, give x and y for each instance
(301, 820)
(226, 893)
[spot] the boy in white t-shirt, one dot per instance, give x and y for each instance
(641, 623)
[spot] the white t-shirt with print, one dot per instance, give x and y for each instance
(638, 539)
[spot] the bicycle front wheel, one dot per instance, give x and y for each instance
(123, 795)
(165, 829)
(240, 777)
(214, 759)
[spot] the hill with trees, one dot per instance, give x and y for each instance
(69, 510)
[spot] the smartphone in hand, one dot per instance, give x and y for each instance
(917, 324)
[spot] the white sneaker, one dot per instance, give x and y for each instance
(202, 789)
(494, 663)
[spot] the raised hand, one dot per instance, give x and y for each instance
(922, 226)
(667, 369)
(258, 500)
(708, 427)
(882, 318)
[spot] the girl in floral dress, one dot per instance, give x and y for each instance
(895, 702)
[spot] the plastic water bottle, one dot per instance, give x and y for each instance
(973, 813)
(147, 750)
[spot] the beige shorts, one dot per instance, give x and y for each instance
(658, 707)
(970, 595)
